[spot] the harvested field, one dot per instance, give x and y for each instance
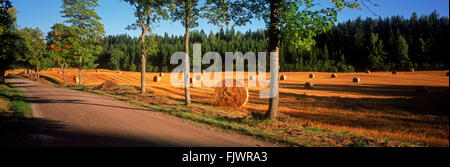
(382, 105)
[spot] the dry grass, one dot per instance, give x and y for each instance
(381, 106)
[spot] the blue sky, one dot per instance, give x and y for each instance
(117, 14)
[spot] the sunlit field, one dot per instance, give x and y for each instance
(381, 105)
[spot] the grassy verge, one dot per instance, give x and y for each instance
(281, 131)
(13, 102)
(15, 114)
(51, 79)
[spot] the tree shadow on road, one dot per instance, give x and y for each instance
(37, 132)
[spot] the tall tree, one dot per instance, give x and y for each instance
(147, 12)
(58, 40)
(34, 42)
(296, 21)
(11, 44)
(188, 12)
(87, 29)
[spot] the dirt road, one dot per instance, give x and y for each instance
(72, 118)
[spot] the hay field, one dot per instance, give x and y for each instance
(381, 105)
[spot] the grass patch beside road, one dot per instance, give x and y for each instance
(13, 102)
(15, 114)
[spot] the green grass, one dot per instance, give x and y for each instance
(16, 101)
(51, 79)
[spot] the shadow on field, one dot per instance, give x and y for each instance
(35, 132)
(433, 102)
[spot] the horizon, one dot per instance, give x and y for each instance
(115, 21)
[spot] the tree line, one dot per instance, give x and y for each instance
(381, 44)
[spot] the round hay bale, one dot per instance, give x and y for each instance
(198, 78)
(119, 72)
(309, 85)
(368, 71)
(356, 80)
(58, 72)
(283, 77)
(333, 75)
(394, 73)
(51, 69)
(235, 96)
(76, 80)
(421, 89)
(156, 79)
(312, 76)
(97, 71)
(161, 74)
(203, 71)
(251, 78)
(412, 70)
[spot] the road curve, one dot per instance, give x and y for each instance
(70, 118)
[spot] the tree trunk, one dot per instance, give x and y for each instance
(143, 60)
(38, 76)
(63, 70)
(187, 65)
(274, 46)
(80, 72)
(2, 76)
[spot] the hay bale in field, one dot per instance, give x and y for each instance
(251, 78)
(51, 69)
(198, 78)
(394, 73)
(58, 72)
(309, 85)
(368, 71)
(119, 72)
(161, 74)
(235, 96)
(312, 76)
(356, 80)
(421, 89)
(107, 85)
(156, 79)
(333, 75)
(203, 71)
(412, 70)
(283, 77)
(97, 71)
(76, 80)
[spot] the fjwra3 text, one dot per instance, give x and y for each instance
(231, 157)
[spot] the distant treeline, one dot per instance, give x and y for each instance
(372, 44)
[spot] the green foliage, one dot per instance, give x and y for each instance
(344, 53)
(86, 31)
(35, 52)
(11, 44)
(216, 12)
(59, 42)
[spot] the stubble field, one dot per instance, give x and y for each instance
(382, 105)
